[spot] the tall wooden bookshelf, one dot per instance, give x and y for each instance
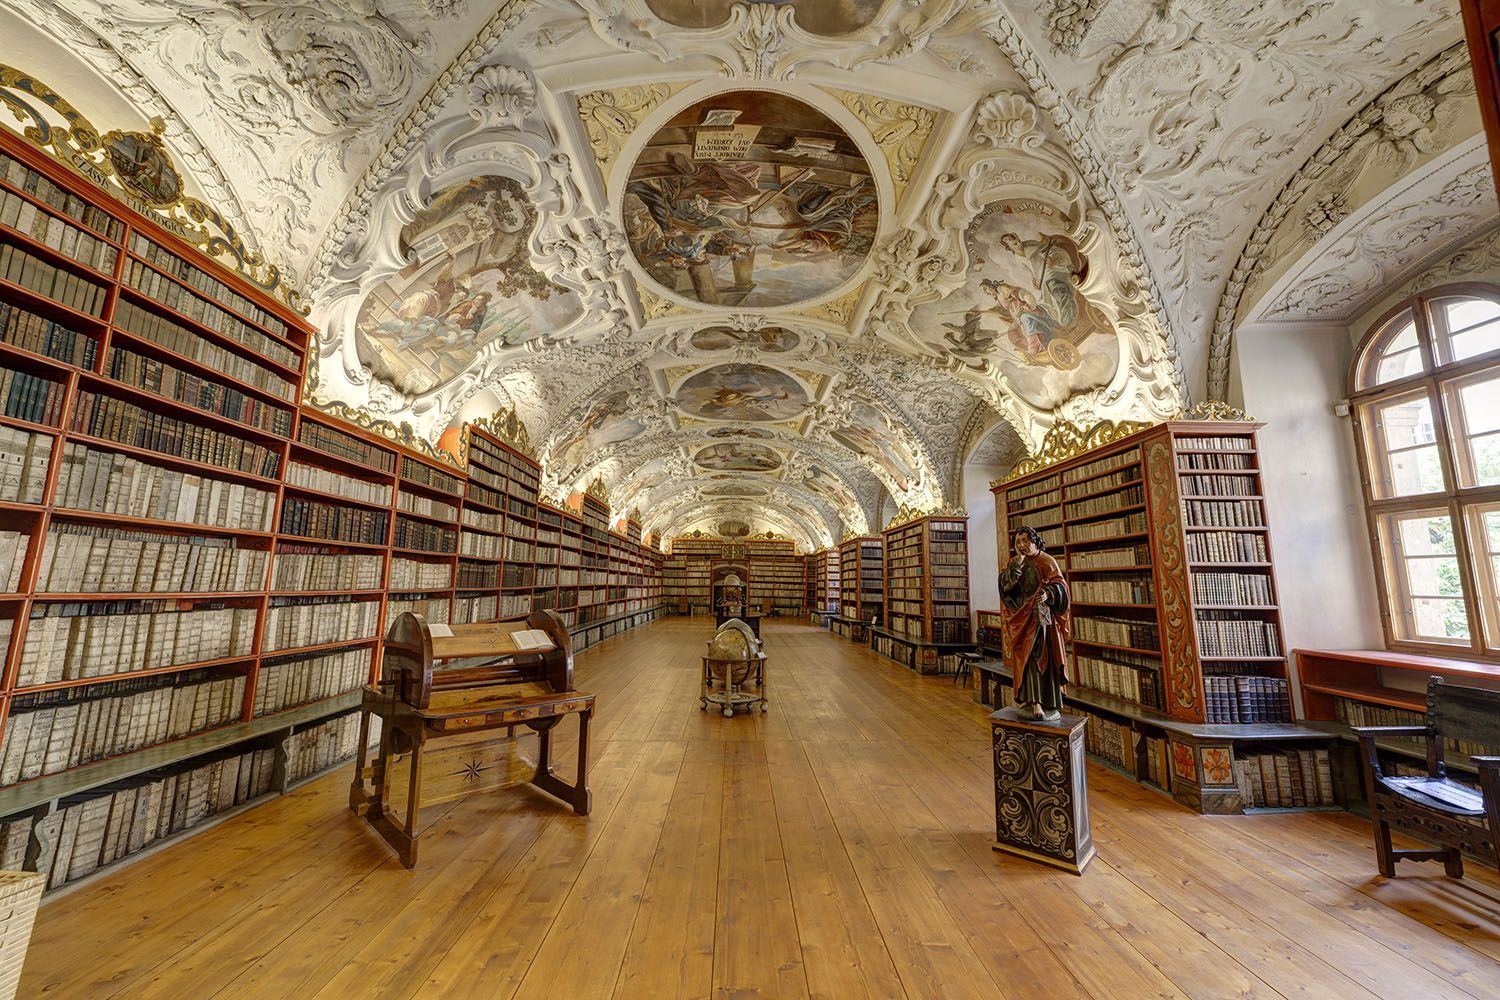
(200, 568)
(686, 574)
(775, 576)
(1177, 650)
(862, 578)
(926, 569)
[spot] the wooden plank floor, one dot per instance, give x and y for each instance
(837, 847)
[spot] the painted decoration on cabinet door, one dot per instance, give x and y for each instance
(608, 420)
(738, 456)
(470, 285)
(750, 198)
(871, 434)
(752, 393)
(770, 339)
(1023, 309)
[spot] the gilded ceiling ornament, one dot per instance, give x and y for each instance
(906, 515)
(654, 305)
(900, 129)
(838, 310)
(1213, 409)
(136, 167)
(505, 425)
(610, 116)
(1066, 440)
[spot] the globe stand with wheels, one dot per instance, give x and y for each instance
(734, 670)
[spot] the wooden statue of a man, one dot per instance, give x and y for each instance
(1035, 598)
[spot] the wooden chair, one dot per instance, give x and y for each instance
(499, 684)
(1434, 807)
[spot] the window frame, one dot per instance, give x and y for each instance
(1464, 504)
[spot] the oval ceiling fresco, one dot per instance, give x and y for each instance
(750, 199)
(752, 393)
(817, 16)
(470, 284)
(738, 456)
(771, 339)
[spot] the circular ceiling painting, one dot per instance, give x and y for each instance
(738, 456)
(742, 392)
(771, 339)
(735, 490)
(750, 198)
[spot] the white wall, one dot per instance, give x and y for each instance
(1289, 376)
(984, 565)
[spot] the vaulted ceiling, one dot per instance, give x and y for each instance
(772, 266)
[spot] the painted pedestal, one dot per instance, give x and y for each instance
(1041, 792)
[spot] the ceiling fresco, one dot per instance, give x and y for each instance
(789, 265)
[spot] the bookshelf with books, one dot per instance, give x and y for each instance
(161, 538)
(1161, 533)
(687, 572)
(861, 587)
(776, 572)
(926, 569)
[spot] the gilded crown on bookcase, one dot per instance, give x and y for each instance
(598, 490)
(906, 515)
(137, 168)
(505, 425)
(1067, 440)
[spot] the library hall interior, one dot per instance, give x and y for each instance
(750, 499)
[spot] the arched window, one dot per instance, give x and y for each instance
(1425, 384)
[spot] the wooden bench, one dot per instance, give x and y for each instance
(417, 704)
(1434, 807)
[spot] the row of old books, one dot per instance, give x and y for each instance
(1285, 779)
(52, 731)
(67, 641)
(1246, 698)
(328, 481)
(24, 396)
(50, 281)
(412, 575)
(12, 559)
(1108, 739)
(24, 457)
(1113, 558)
(162, 379)
(319, 747)
(22, 178)
(187, 343)
(484, 520)
(433, 608)
(159, 288)
(1231, 588)
(284, 684)
(479, 546)
(415, 503)
(1218, 486)
(413, 471)
(35, 333)
(412, 534)
(1108, 463)
(1122, 590)
(81, 837)
(90, 559)
(1107, 481)
(1226, 547)
(1130, 496)
(512, 605)
(335, 522)
(1220, 633)
(312, 567)
(1359, 713)
(1224, 513)
(1208, 461)
(1138, 681)
(332, 441)
(1094, 530)
(1217, 442)
(1113, 631)
(112, 482)
(475, 609)
(127, 423)
(481, 576)
(205, 283)
(292, 622)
